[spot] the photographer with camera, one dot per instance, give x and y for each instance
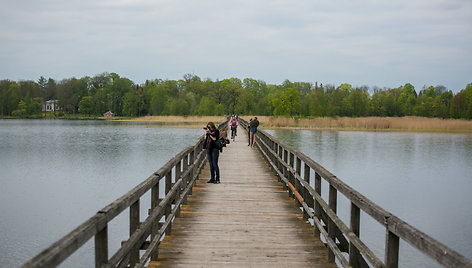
(212, 134)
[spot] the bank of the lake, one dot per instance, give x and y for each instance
(386, 124)
(389, 124)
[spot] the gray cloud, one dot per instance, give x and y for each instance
(383, 43)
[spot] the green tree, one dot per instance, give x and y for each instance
(21, 111)
(232, 93)
(159, 96)
(86, 105)
(358, 100)
(208, 106)
(407, 99)
(462, 103)
(9, 97)
(286, 102)
(318, 103)
(33, 105)
(445, 104)
(427, 104)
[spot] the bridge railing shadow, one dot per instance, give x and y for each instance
(343, 240)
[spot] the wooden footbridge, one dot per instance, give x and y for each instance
(268, 211)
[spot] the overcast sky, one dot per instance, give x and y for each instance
(384, 43)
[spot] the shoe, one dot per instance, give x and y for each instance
(217, 181)
(211, 181)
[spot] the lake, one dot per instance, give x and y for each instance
(423, 178)
(55, 174)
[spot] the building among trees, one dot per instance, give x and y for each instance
(51, 106)
(108, 115)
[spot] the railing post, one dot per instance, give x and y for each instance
(178, 172)
(333, 200)
(169, 206)
(285, 156)
(155, 226)
(355, 228)
(289, 159)
(101, 247)
(279, 162)
(317, 204)
(298, 170)
(306, 194)
(185, 178)
(192, 166)
(392, 246)
(133, 226)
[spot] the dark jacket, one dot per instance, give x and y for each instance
(254, 123)
(210, 143)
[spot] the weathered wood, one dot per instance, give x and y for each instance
(355, 228)
(246, 218)
(246, 221)
(396, 229)
(392, 249)
(333, 200)
(306, 194)
(63, 248)
(97, 225)
(155, 200)
(134, 223)
(101, 248)
(140, 235)
(428, 245)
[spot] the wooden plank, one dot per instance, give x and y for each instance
(431, 247)
(101, 248)
(246, 221)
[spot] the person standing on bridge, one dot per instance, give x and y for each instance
(234, 126)
(249, 132)
(253, 130)
(211, 136)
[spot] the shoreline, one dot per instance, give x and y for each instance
(370, 124)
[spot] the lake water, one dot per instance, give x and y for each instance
(55, 174)
(423, 178)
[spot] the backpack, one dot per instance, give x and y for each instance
(220, 143)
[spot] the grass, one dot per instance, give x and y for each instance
(186, 121)
(409, 123)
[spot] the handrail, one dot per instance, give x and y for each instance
(183, 167)
(287, 163)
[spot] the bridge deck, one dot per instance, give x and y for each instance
(246, 221)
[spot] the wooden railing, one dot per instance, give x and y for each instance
(287, 163)
(185, 166)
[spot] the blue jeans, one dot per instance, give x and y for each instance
(213, 161)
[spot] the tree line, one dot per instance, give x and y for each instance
(192, 95)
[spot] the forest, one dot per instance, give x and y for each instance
(192, 95)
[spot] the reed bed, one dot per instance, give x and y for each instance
(181, 121)
(408, 123)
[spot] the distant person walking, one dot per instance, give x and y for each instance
(212, 134)
(234, 127)
(249, 132)
(253, 130)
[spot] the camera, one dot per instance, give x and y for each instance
(205, 128)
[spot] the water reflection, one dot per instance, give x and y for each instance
(424, 179)
(55, 174)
